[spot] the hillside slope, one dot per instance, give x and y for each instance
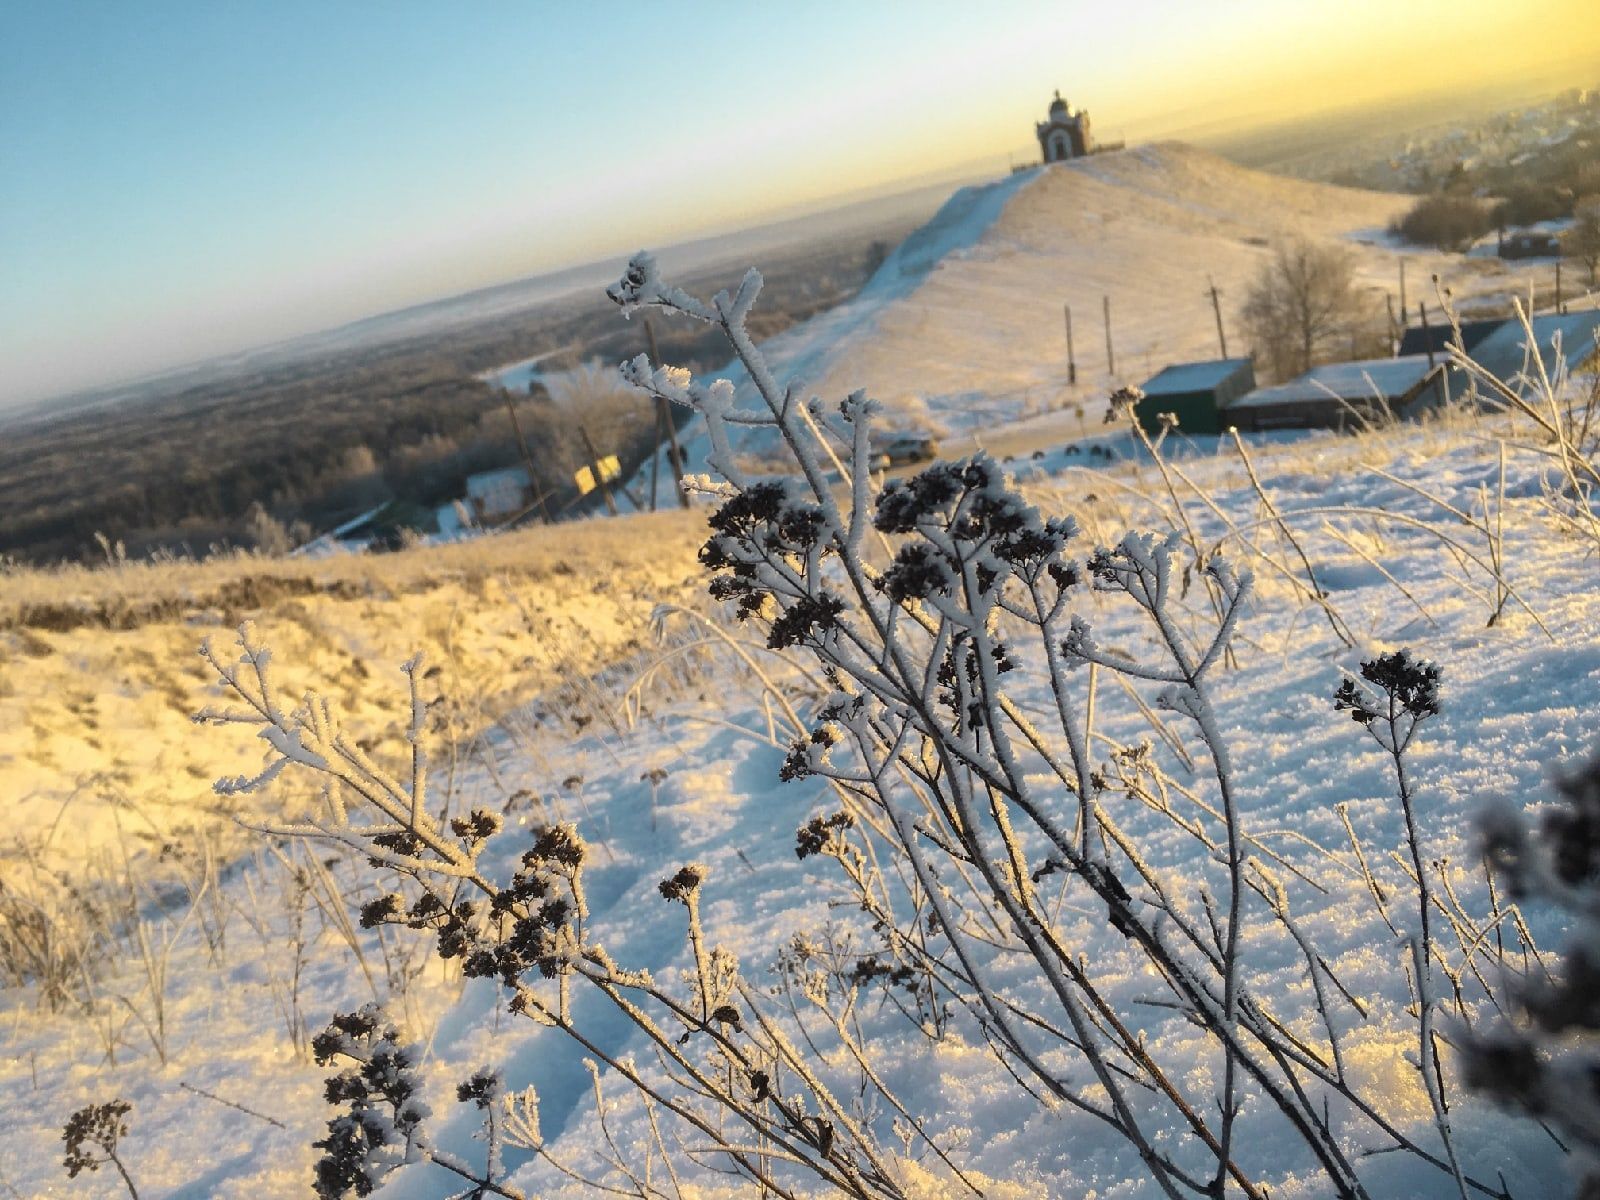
(156, 952)
(962, 327)
(1147, 228)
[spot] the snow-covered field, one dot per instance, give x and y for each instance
(194, 958)
(518, 376)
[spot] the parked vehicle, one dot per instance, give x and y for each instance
(911, 446)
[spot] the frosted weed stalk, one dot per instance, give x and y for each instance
(1561, 412)
(937, 763)
(975, 836)
(729, 1074)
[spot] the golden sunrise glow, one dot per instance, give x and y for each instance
(1197, 71)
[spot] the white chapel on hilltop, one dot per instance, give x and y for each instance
(1065, 134)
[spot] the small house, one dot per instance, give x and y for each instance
(496, 495)
(1343, 395)
(1195, 393)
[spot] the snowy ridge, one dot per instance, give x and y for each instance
(962, 328)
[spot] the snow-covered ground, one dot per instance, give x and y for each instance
(259, 959)
(518, 376)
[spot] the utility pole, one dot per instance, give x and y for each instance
(594, 465)
(527, 458)
(1111, 357)
(664, 417)
(1216, 307)
(1072, 363)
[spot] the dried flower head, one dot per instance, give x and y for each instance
(94, 1127)
(683, 885)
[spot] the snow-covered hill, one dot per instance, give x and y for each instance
(684, 768)
(963, 327)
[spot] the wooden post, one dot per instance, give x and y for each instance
(655, 459)
(1394, 332)
(1427, 334)
(527, 458)
(1403, 309)
(1072, 362)
(1111, 356)
(1216, 307)
(594, 465)
(664, 415)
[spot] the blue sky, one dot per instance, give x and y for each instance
(184, 177)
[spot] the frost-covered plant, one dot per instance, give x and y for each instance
(1545, 1060)
(929, 607)
(92, 1135)
(982, 828)
(1399, 693)
(381, 1127)
(728, 1071)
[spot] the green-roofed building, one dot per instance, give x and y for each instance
(1195, 393)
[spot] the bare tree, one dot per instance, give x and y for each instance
(593, 393)
(1582, 240)
(1301, 305)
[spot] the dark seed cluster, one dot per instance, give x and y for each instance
(817, 834)
(532, 915)
(962, 506)
(1411, 684)
(807, 618)
(379, 1094)
(1572, 828)
(766, 522)
(96, 1126)
(683, 884)
(482, 1090)
(870, 967)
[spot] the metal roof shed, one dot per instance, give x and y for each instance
(1566, 342)
(1426, 339)
(1343, 394)
(1195, 393)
